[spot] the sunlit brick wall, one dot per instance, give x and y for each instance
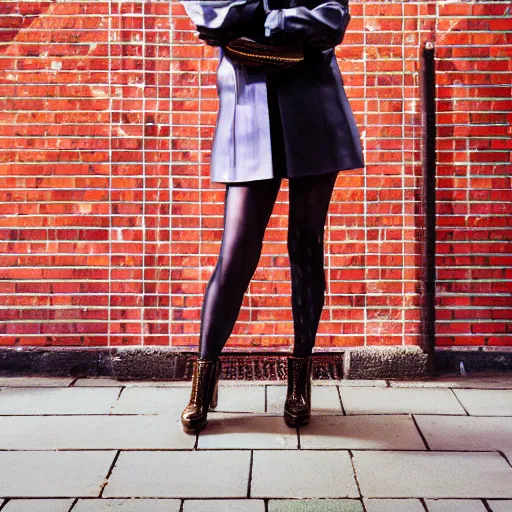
(474, 263)
(110, 227)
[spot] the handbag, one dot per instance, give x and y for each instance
(249, 52)
(252, 53)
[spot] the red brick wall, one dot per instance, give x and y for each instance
(110, 226)
(474, 50)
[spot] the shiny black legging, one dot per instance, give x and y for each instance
(248, 207)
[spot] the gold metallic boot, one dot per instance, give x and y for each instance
(203, 396)
(297, 407)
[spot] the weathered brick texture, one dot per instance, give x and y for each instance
(110, 227)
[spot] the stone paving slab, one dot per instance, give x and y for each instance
(131, 505)
(387, 505)
(241, 399)
(400, 401)
(324, 400)
(140, 400)
(500, 506)
(455, 506)
(235, 505)
(92, 432)
(387, 432)
(486, 402)
(167, 400)
(59, 505)
(108, 382)
(436, 474)
(40, 382)
(359, 383)
(180, 474)
(472, 433)
(34, 401)
(98, 382)
(226, 430)
(488, 381)
(313, 505)
(53, 474)
(303, 474)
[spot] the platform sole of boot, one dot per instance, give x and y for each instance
(194, 429)
(295, 421)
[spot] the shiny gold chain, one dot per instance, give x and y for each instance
(269, 57)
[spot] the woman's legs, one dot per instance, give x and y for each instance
(309, 202)
(247, 210)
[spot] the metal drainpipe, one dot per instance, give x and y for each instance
(428, 203)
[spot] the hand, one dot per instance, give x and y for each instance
(214, 37)
(274, 30)
(208, 39)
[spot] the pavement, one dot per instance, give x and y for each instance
(95, 445)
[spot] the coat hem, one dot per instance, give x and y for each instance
(336, 169)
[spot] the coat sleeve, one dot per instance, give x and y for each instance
(322, 27)
(222, 20)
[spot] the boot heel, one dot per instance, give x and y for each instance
(215, 397)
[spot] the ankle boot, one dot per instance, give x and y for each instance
(203, 396)
(297, 407)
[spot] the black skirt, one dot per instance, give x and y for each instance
(276, 131)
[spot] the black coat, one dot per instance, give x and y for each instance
(293, 122)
